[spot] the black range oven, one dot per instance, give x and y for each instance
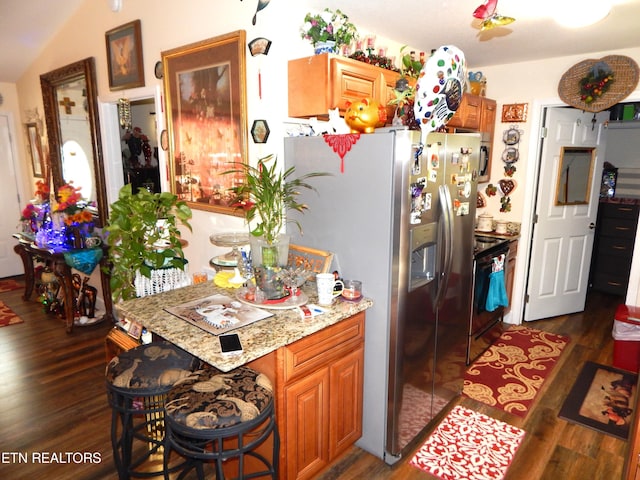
(485, 326)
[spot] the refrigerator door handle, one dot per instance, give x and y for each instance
(446, 208)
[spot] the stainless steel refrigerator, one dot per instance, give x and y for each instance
(398, 213)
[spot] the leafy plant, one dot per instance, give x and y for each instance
(137, 243)
(411, 67)
(268, 194)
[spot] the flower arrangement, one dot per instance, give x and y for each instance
(33, 213)
(328, 26)
(72, 205)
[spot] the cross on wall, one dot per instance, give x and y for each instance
(67, 103)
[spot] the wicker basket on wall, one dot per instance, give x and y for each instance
(625, 81)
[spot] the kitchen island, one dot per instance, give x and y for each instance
(316, 367)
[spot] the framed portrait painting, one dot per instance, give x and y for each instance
(205, 91)
(35, 148)
(124, 56)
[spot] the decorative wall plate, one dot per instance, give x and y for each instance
(511, 136)
(510, 155)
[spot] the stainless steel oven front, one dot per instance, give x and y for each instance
(485, 326)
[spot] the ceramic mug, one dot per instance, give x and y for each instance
(328, 288)
(91, 242)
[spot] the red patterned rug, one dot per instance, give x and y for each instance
(469, 445)
(511, 372)
(9, 285)
(7, 316)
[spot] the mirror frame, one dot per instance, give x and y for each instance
(587, 193)
(48, 83)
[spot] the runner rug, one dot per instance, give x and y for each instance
(511, 372)
(469, 445)
(602, 398)
(9, 285)
(7, 316)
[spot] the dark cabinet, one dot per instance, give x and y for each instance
(613, 247)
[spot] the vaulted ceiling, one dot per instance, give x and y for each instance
(27, 25)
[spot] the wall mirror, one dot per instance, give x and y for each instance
(70, 106)
(575, 171)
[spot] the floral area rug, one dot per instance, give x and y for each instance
(7, 316)
(469, 445)
(602, 398)
(511, 372)
(9, 285)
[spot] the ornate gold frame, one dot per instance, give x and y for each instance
(206, 98)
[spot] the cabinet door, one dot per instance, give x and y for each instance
(488, 125)
(307, 422)
(468, 113)
(346, 380)
(353, 82)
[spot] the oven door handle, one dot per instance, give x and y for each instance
(446, 207)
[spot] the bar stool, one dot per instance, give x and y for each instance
(215, 416)
(137, 383)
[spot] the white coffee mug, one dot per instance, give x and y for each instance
(328, 288)
(91, 242)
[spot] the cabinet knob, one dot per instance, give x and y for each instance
(592, 226)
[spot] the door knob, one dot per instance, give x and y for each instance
(592, 226)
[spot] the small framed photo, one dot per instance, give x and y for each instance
(135, 330)
(514, 112)
(260, 131)
(35, 147)
(124, 56)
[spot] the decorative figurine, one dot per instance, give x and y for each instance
(364, 116)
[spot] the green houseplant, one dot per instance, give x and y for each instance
(143, 235)
(265, 196)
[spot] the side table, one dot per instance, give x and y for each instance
(28, 251)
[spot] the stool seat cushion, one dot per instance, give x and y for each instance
(211, 399)
(151, 368)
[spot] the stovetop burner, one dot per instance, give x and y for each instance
(484, 244)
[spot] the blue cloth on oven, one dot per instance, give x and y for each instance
(497, 294)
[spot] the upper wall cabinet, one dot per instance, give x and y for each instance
(321, 83)
(477, 114)
(468, 113)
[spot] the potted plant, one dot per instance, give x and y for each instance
(405, 90)
(265, 196)
(143, 235)
(328, 30)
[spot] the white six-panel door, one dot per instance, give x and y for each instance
(563, 235)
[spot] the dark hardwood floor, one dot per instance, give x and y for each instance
(55, 412)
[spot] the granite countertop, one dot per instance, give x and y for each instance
(258, 338)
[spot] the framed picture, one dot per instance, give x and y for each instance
(35, 147)
(260, 131)
(135, 330)
(514, 112)
(124, 56)
(205, 88)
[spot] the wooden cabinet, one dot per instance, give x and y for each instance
(322, 386)
(487, 126)
(510, 271)
(632, 459)
(613, 249)
(468, 114)
(477, 114)
(117, 342)
(321, 83)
